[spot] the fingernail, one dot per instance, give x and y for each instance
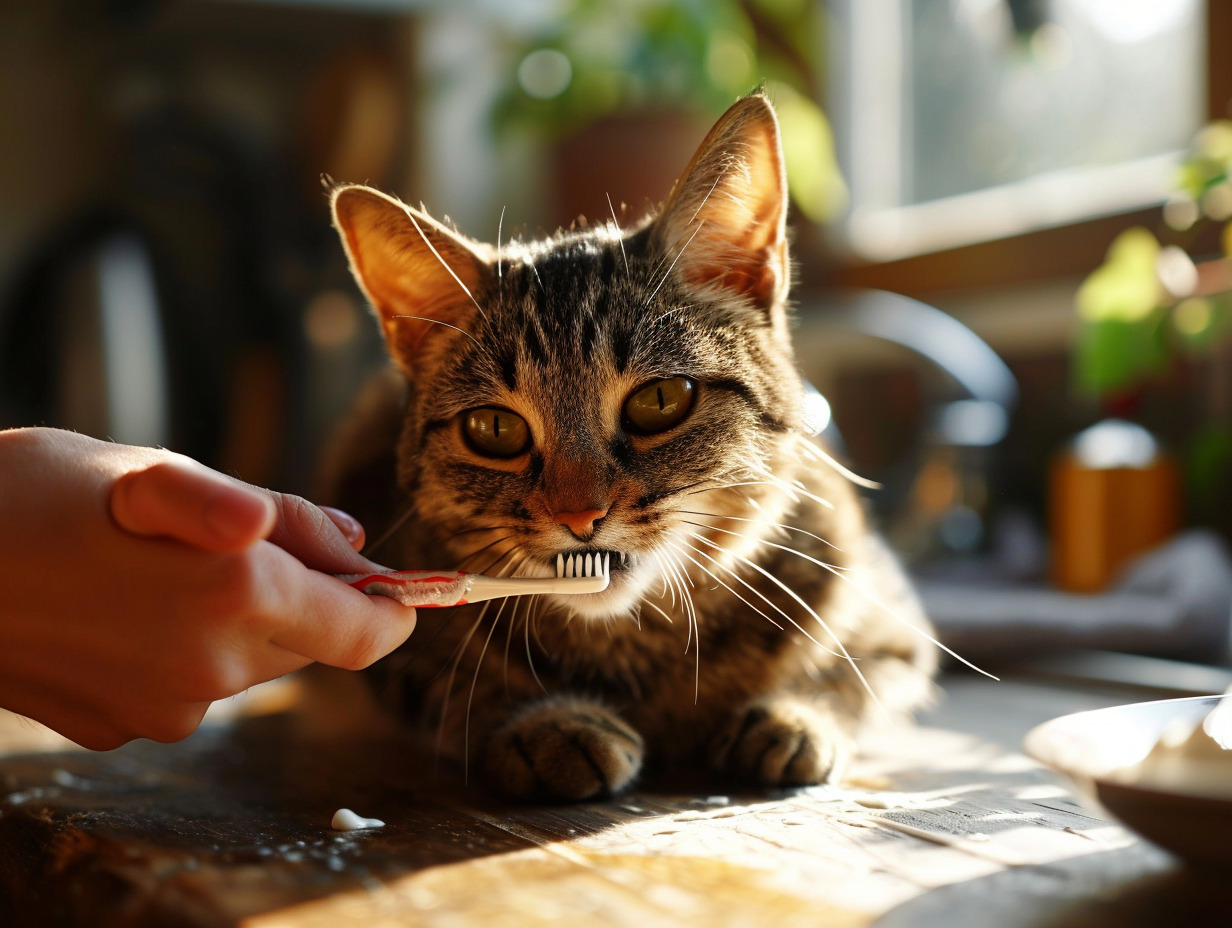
(347, 524)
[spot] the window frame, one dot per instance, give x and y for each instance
(1067, 250)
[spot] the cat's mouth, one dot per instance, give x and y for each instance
(614, 561)
(622, 590)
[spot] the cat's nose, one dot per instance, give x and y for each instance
(582, 524)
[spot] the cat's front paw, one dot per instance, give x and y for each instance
(564, 749)
(781, 742)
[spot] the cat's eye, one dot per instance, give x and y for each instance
(660, 404)
(496, 433)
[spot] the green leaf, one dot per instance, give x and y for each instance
(1115, 353)
(1126, 286)
(813, 175)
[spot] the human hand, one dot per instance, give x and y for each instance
(139, 586)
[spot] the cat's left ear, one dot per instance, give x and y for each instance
(725, 222)
(420, 277)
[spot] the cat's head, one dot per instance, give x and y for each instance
(619, 390)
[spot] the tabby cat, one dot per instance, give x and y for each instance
(632, 391)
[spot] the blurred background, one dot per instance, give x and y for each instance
(1010, 226)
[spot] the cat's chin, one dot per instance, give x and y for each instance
(599, 607)
(618, 601)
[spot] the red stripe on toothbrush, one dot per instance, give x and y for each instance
(394, 580)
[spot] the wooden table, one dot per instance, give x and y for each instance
(943, 824)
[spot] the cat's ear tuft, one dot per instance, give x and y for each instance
(415, 272)
(725, 222)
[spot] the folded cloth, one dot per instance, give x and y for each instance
(1174, 601)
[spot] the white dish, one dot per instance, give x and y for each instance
(1102, 752)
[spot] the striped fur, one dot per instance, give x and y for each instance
(752, 579)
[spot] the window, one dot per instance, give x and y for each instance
(961, 121)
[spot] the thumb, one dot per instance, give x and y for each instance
(180, 499)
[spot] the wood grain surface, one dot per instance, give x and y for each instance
(945, 823)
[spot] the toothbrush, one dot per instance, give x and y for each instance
(575, 573)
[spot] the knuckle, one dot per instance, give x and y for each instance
(302, 515)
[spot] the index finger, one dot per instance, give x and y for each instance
(181, 499)
(307, 532)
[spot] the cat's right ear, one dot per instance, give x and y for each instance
(415, 272)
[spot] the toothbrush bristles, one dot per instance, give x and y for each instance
(588, 565)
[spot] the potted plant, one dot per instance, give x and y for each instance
(1164, 297)
(622, 91)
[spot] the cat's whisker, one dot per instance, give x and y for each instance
(668, 273)
(471, 564)
(667, 589)
(694, 632)
(447, 325)
(684, 248)
(706, 198)
(794, 489)
(673, 580)
(511, 533)
(779, 525)
(499, 225)
(495, 621)
(720, 481)
(715, 487)
(842, 650)
(657, 608)
(620, 235)
(679, 581)
(456, 663)
(510, 626)
(872, 597)
(470, 697)
(736, 576)
(527, 627)
(817, 453)
(389, 532)
(480, 528)
(445, 264)
(706, 483)
(453, 673)
(492, 567)
(715, 577)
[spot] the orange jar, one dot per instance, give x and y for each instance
(1113, 494)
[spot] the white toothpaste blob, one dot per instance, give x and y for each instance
(346, 820)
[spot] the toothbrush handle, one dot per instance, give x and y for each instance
(438, 588)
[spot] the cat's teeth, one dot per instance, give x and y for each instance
(589, 565)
